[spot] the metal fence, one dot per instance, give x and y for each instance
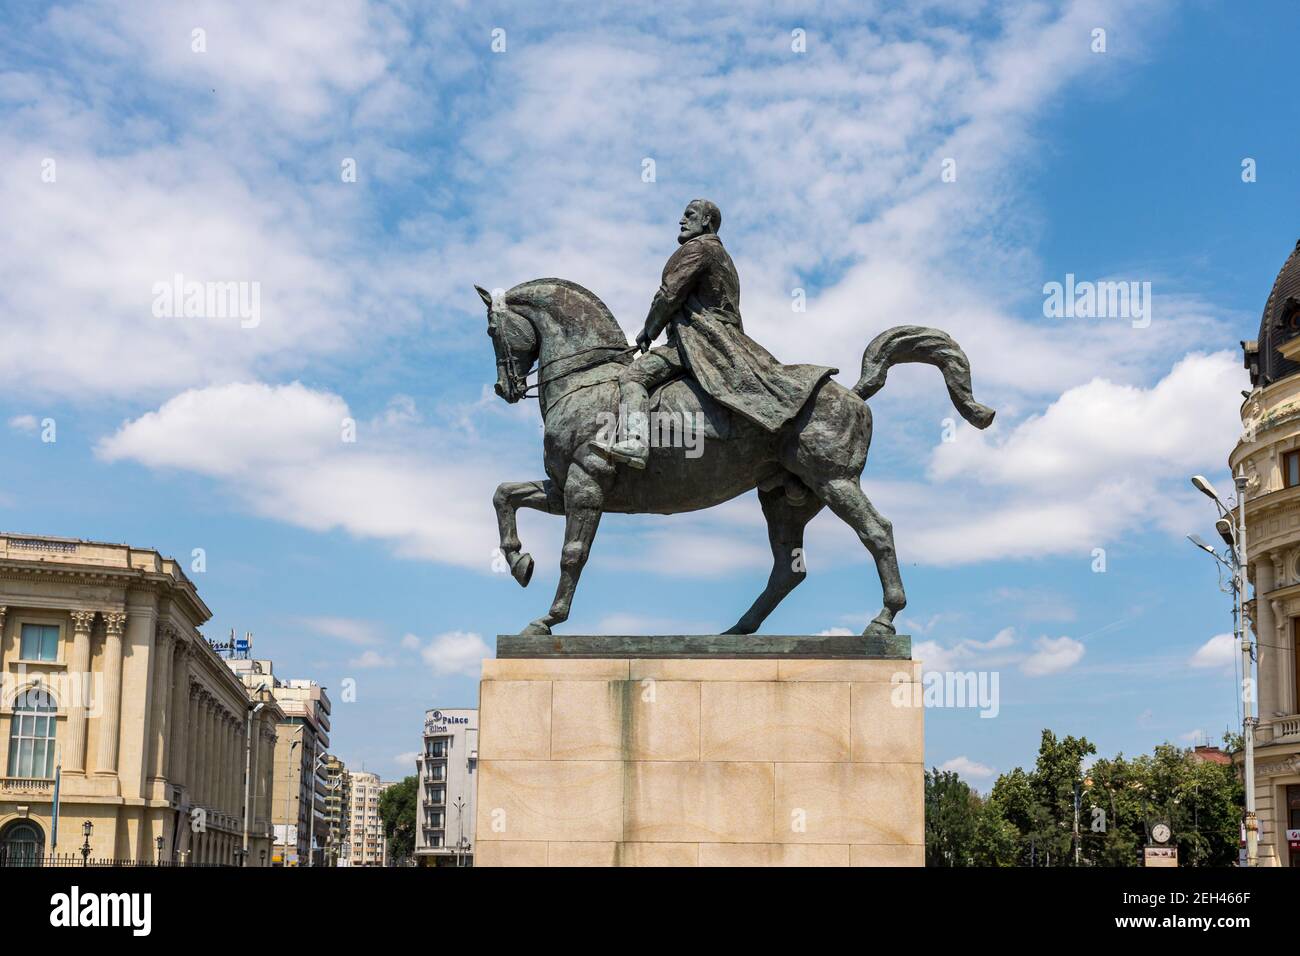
(76, 859)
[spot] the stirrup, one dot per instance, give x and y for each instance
(628, 453)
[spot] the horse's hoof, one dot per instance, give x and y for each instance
(739, 628)
(537, 627)
(522, 569)
(879, 629)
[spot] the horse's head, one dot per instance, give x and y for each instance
(515, 342)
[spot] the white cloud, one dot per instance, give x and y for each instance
(348, 629)
(456, 652)
(280, 451)
(959, 656)
(1218, 653)
(406, 759)
(966, 767)
(24, 423)
(371, 659)
(1052, 656)
(1097, 431)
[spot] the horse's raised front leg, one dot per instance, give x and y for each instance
(584, 501)
(845, 497)
(785, 525)
(509, 498)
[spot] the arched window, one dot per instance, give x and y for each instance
(22, 844)
(31, 734)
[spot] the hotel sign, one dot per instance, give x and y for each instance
(438, 722)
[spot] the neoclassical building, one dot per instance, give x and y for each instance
(106, 677)
(1269, 455)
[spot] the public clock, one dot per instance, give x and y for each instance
(1160, 833)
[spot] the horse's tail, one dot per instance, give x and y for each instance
(915, 343)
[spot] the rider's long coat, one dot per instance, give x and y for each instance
(702, 290)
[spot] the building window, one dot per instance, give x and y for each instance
(31, 735)
(40, 642)
(1291, 469)
(437, 795)
(1293, 820)
(22, 844)
(1295, 660)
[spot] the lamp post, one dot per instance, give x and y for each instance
(158, 842)
(288, 791)
(1233, 533)
(86, 828)
(253, 710)
(311, 813)
(460, 820)
(329, 837)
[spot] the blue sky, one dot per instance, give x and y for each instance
(372, 560)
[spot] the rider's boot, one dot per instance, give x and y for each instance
(634, 450)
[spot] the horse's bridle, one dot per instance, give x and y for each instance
(520, 382)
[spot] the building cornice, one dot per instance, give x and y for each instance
(178, 589)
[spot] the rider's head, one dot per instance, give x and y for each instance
(700, 217)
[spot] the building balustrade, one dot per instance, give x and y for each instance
(1279, 730)
(36, 785)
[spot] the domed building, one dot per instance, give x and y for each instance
(1269, 456)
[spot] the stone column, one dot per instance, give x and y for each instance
(266, 773)
(234, 772)
(234, 775)
(178, 725)
(74, 749)
(204, 736)
(214, 765)
(162, 687)
(227, 769)
(3, 609)
(110, 716)
(240, 778)
(210, 753)
(192, 743)
(1267, 663)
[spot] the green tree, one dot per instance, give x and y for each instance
(950, 812)
(995, 842)
(397, 811)
(1199, 800)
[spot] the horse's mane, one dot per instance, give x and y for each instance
(537, 292)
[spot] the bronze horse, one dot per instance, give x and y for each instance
(816, 461)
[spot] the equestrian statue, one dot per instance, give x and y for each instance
(790, 431)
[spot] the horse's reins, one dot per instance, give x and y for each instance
(512, 372)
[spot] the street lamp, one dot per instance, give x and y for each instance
(311, 814)
(253, 710)
(460, 820)
(284, 858)
(87, 828)
(1234, 534)
(158, 842)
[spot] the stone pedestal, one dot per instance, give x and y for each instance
(771, 751)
